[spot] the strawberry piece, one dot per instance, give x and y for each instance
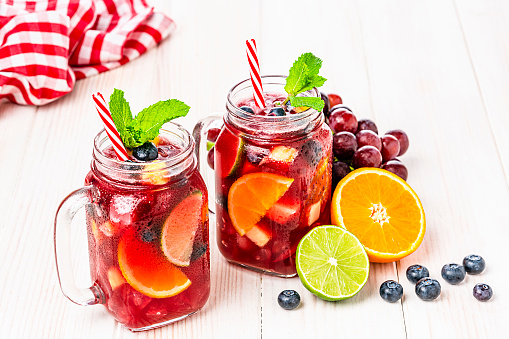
(280, 157)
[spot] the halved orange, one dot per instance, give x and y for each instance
(147, 270)
(382, 210)
(252, 195)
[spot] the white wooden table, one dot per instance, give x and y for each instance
(439, 69)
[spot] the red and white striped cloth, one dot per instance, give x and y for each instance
(46, 45)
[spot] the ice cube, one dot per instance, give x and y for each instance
(122, 208)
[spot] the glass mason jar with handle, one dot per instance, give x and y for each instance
(147, 226)
(272, 179)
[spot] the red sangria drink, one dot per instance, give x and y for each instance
(273, 177)
(147, 219)
(148, 233)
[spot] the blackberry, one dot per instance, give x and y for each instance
(312, 152)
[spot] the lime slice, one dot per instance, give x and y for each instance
(332, 263)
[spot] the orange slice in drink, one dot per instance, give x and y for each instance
(147, 270)
(382, 210)
(252, 195)
(180, 228)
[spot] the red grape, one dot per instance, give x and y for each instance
(368, 137)
(367, 156)
(396, 167)
(342, 120)
(402, 138)
(327, 106)
(210, 158)
(390, 147)
(339, 171)
(366, 124)
(213, 133)
(334, 100)
(344, 144)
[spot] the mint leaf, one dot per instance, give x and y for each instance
(303, 74)
(120, 113)
(313, 102)
(146, 125)
(152, 118)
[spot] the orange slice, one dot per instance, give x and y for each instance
(147, 270)
(382, 210)
(179, 229)
(252, 195)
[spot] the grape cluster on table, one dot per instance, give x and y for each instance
(356, 143)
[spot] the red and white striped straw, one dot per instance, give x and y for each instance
(109, 126)
(254, 69)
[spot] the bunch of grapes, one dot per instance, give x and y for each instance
(356, 143)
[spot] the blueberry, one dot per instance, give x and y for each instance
(312, 152)
(391, 291)
(415, 273)
(146, 152)
(147, 235)
(428, 289)
(483, 292)
(453, 273)
(288, 299)
(474, 264)
(277, 112)
(199, 249)
(247, 109)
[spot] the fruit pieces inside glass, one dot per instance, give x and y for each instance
(148, 246)
(270, 241)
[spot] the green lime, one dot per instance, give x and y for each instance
(332, 263)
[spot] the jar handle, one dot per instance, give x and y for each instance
(199, 131)
(65, 213)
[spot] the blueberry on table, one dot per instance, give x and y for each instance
(415, 273)
(474, 264)
(453, 273)
(277, 112)
(428, 289)
(483, 292)
(288, 299)
(391, 291)
(146, 152)
(247, 109)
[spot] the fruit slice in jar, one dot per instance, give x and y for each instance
(382, 210)
(251, 196)
(147, 270)
(179, 229)
(229, 151)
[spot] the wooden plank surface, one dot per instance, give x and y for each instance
(437, 69)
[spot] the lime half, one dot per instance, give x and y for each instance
(332, 263)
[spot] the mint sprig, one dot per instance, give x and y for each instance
(303, 77)
(147, 123)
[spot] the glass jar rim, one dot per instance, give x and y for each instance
(172, 129)
(241, 114)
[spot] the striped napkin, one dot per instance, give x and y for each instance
(46, 45)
